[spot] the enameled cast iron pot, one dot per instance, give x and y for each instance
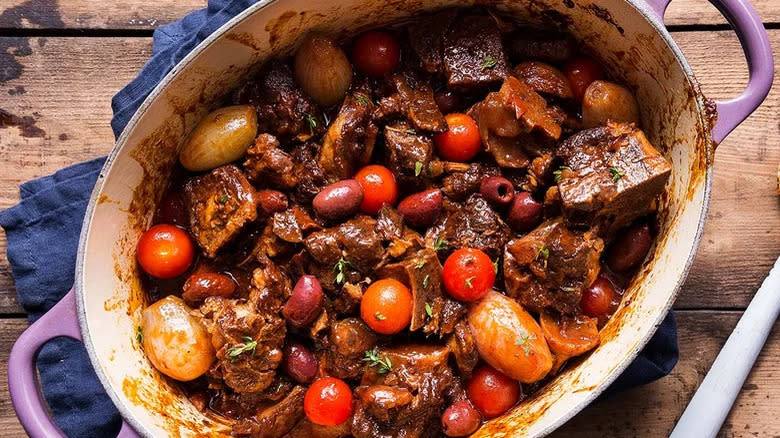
(628, 36)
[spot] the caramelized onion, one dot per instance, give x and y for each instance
(221, 137)
(322, 69)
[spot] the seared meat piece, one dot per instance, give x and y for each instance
(400, 239)
(293, 224)
(307, 429)
(349, 142)
(475, 225)
(283, 109)
(422, 274)
(408, 400)
(426, 36)
(220, 204)
(613, 176)
(452, 312)
(409, 153)
(274, 420)
(474, 58)
(356, 241)
(544, 79)
(464, 349)
(348, 341)
(417, 96)
(527, 44)
(311, 177)
(549, 267)
(268, 165)
(458, 186)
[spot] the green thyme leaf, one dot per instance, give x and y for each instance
(440, 244)
(495, 266)
(429, 310)
(558, 174)
(469, 280)
(339, 269)
(418, 166)
(487, 62)
(139, 334)
(223, 198)
(312, 122)
(249, 345)
(411, 132)
(426, 280)
(379, 316)
(361, 98)
(523, 341)
(419, 264)
(375, 360)
(616, 174)
(542, 254)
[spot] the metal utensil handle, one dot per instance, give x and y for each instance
(713, 400)
(61, 320)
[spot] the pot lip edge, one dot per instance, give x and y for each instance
(127, 415)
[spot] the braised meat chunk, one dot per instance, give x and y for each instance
(474, 58)
(528, 43)
(549, 267)
(611, 176)
(220, 203)
(475, 225)
(268, 165)
(410, 152)
(417, 96)
(274, 420)
(426, 37)
(349, 141)
(347, 342)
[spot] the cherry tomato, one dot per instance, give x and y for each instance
(581, 72)
(491, 392)
(379, 188)
(597, 300)
(376, 53)
(386, 306)
(461, 142)
(328, 401)
(165, 251)
(468, 274)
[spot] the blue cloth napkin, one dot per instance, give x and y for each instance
(43, 232)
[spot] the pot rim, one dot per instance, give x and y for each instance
(644, 9)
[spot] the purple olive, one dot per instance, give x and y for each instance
(299, 362)
(305, 302)
(460, 419)
(497, 190)
(339, 200)
(629, 248)
(524, 213)
(421, 209)
(270, 202)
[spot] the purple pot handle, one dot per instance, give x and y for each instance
(28, 401)
(755, 43)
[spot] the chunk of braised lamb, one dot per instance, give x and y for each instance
(409, 152)
(220, 203)
(426, 38)
(401, 240)
(283, 109)
(307, 429)
(475, 225)
(550, 267)
(458, 186)
(348, 341)
(356, 241)
(452, 311)
(274, 420)
(525, 44)
(293, 224)
(349, 141)
(417, 95)
(422, 273)
(544, 79)
(464, 349)
(383, 408)
(473, 56)
(612, 176)
(311, 177)
(268, 165)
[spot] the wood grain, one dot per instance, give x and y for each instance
(143, 14)
(649, 411)
(66, 120)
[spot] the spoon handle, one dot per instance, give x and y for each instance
(713, 400)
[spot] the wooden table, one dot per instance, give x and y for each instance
(61, 61)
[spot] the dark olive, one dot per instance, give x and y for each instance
(421, 209)
(339, 200)
(460, 419)
(270, 202)
(305, 302)
(299, 362)
(524, 213)
(629, 248)
(202, 285)
(447, 101)
(497, 190)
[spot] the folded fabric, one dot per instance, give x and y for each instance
(43, 232)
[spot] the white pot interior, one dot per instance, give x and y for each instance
(110, 296)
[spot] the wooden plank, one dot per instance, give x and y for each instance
(66, 120)
(140, 14)
(649, 411)
(652, 410)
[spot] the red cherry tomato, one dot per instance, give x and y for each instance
(581, 72)
(165, 251)
(386, 306)
(492, 392)
(597, 300)
(468, 274)
(328, 401)
(379, 188)
(376, 53)
(461, 142)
